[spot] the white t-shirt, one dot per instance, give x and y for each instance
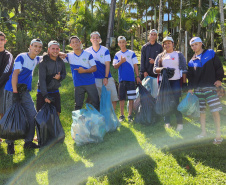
(84, 60)
(101, 56)
(171, 60)
(126, 70)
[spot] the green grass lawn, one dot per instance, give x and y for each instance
(134, 154)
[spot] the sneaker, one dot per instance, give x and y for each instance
(130, 118)
(10, 149)
(121, 118)
(30, 144)
(179, 127)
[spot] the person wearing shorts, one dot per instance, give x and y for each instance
(51, 72)
(126, 62)
(205, 73)
(102, 58)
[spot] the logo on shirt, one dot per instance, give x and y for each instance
(127, 56)
(173, 58)
(101, 56)
(84, 59)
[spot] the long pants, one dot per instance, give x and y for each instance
(28, 105)
(92, 94)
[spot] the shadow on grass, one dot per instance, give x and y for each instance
(120, 161)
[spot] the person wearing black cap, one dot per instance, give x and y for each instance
(205, 74)
(149, 52)
(24, 66)
(51, 72)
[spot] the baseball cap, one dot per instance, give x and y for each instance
(195, 39)
(74, 37)
(53, 42)
(121, 38)
(95, 32)
(168, 39)
(153, 31)
(36, 40)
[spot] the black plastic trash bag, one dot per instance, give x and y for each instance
(165, 102)
(14, 124)
(146, 113)
(49, 128)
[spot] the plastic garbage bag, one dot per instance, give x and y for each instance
(146, 113)
(48, 124)
(165, 102)
(14, 124)
(151, 85)
(190, 106)
(88, 126)
(107, 110)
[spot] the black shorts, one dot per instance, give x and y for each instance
(41, 101)
(127, 88)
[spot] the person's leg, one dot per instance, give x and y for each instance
(203, 124)
(93, 94)
(28, 105)
(40, 101)
(131, 94)
(79, 97)
(99, 84)
(122, 104)
(217, 120)
(122, 98)
(112, 88)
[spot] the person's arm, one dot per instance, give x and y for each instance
(90, 70)
(42, 79)
(107, 69)
(8, 70)
(137, 74)
(219, 71)
(122, 60)
(63, 72)
(15, 75)
(156, 68)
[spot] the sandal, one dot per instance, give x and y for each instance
(217, 141)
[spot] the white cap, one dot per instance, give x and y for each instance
(168, 39)
(121, 38)
(36, 40)
(95, 32)
(53, 42)
(195, 39)
(153, 31)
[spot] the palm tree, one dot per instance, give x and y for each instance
(221, 5)
(160, 21)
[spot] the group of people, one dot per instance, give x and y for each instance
(90, 70)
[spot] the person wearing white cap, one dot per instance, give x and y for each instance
(205, 74)
(172, 59)
(149, 52)
(126, 62)
(24, 66)
(51, 72)
(103, 75)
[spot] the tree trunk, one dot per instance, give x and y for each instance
(119, 14)
(199, 18)
(211, 29)
(110, 22)
(155, 19)
(160, 37)
(221, 5)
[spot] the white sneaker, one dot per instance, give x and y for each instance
(179, 127)
(167, 125)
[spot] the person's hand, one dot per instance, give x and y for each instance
(217, 83)
(57, 76)
(190, 91)
(151, 61)
(62, 55)
(47, 100)
(162, 70)
(80, 70)
(123, 59)
(16, 97)
(145, 74)
(105, 81)
(138, 80)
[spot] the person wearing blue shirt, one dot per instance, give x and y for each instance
(24, 66)
(126, 62)
(83, 66)
(102, 58)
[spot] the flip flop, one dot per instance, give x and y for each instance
(217, 141)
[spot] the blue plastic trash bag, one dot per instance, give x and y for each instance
(146, 114)
(190, 106)
(151, 85)
(106, 109)
(14, 124)
(49, 128)
(88, 126)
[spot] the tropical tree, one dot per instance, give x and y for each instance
(221, 5)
